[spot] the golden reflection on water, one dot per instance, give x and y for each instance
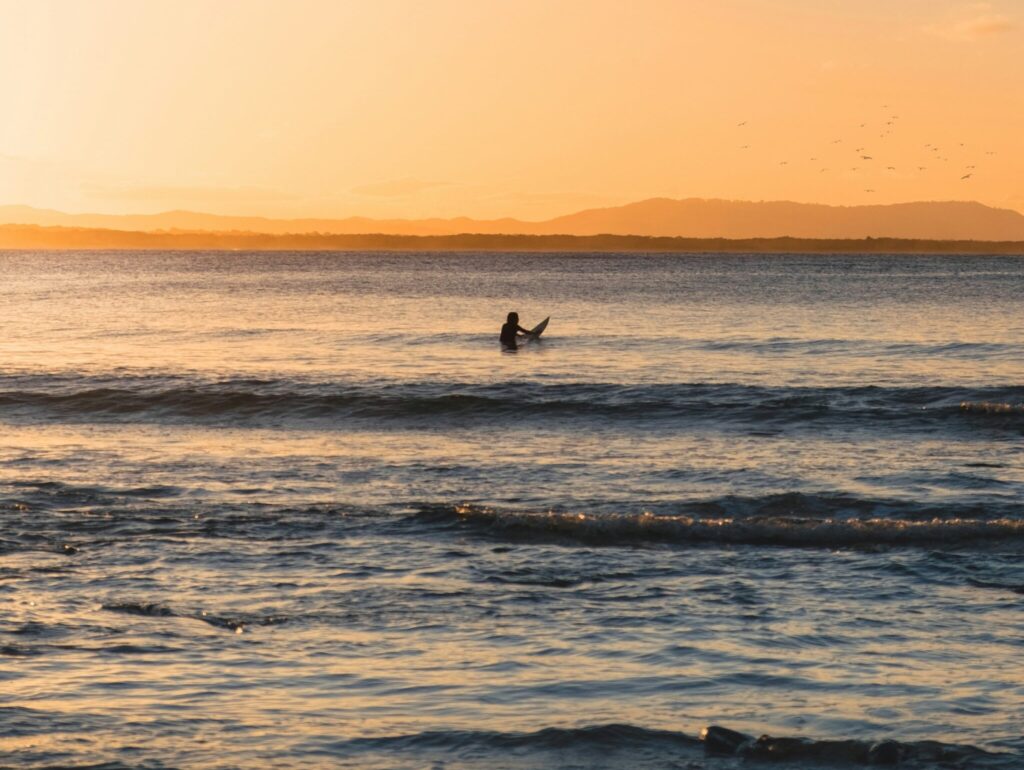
(364, 613)
(104, 313)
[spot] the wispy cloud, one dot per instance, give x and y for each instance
(519, 196)
(189, 194)
(397, 188)
(400, 199)
(971, 23)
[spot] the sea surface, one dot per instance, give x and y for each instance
(300, 510)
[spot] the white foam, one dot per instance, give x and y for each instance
(771, 530)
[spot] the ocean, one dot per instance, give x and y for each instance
(299, 510)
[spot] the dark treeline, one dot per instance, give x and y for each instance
(39, 237)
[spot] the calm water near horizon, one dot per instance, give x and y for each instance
(300, 510)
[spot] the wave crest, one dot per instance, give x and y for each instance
(805, 531)
(990, 407)
(651, 747)
(160, 398)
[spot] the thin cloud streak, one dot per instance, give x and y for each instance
(397, 188)
(973, 23)
(191, 194)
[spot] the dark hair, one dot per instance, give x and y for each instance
(513, 318)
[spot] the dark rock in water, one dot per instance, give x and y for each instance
(768, 747)
(841, 751)
(723, 741)
(885, 753)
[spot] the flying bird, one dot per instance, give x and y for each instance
(890, 168)
(836, 141)
(967, 176)
(741, 124)
(869, 191)
(783, 162)
(866, 157)
(922, 168)
(744, 146)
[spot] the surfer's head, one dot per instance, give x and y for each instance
(513, 318)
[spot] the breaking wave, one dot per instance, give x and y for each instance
(160, 398)
(155, 610)
(779, 529)
(644, 747)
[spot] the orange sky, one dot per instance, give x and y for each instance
(403, 108)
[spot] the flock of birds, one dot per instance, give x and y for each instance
(887, 129)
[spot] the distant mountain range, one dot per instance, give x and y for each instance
(687, 218)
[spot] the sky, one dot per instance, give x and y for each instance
(492, 108)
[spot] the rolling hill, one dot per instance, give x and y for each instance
(664, 217)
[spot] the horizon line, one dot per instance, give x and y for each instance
(102, 239)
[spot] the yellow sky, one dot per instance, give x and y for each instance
(525, 108)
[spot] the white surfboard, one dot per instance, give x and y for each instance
(537, 330)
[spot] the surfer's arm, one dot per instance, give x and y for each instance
(524, 332)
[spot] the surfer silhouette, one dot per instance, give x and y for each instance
(511, 330)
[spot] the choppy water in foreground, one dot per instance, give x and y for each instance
(298, 510)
